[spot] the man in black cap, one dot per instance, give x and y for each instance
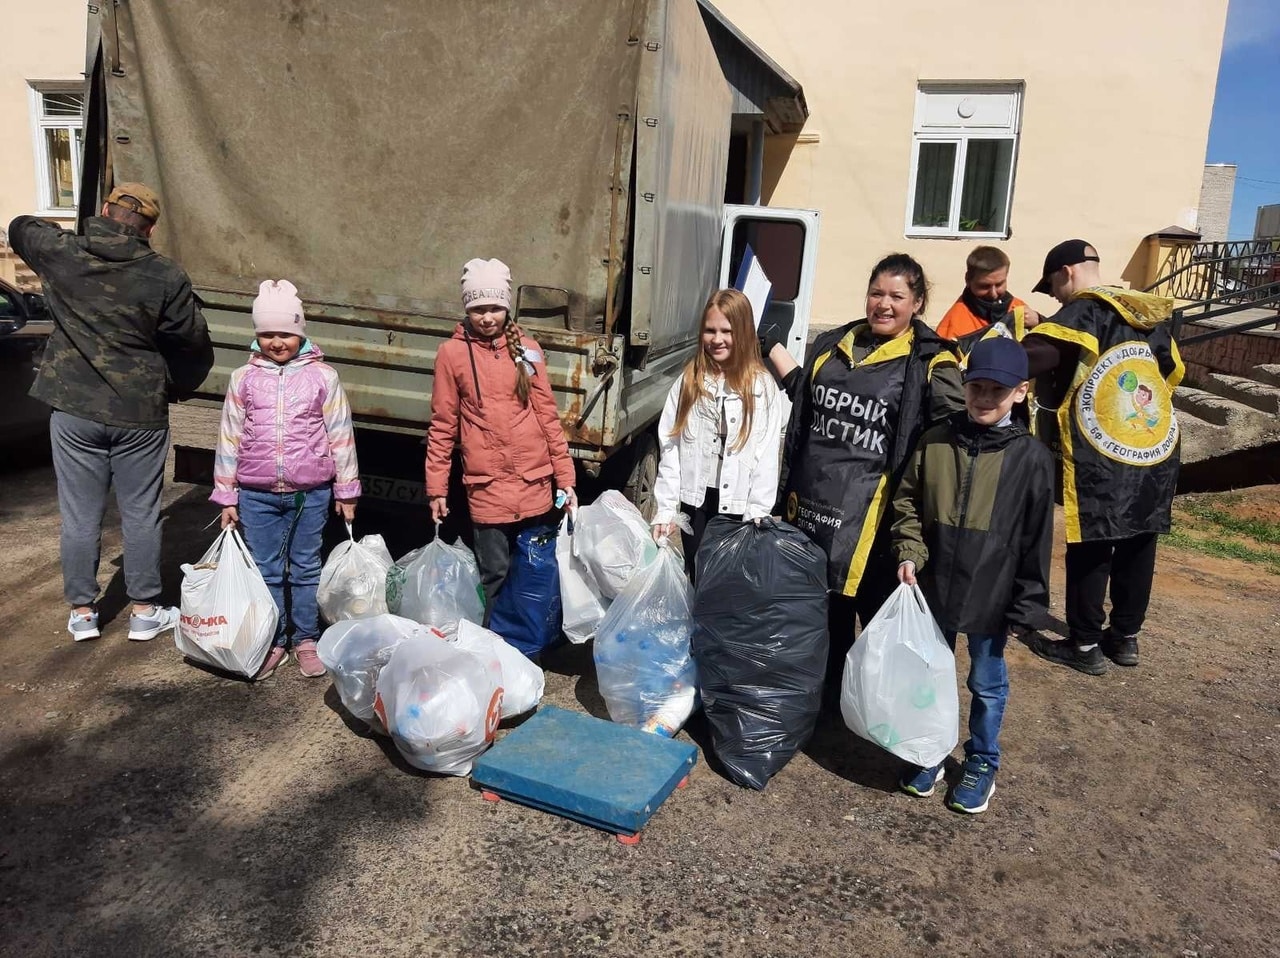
(1111, 357)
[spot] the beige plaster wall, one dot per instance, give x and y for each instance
(43, 40)
(1115, 122)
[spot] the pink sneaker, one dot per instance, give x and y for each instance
(309, 663)
(275, 658)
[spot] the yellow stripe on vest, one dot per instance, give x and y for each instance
(870, 522)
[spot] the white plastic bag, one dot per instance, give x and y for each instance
(899, 685)
(437, 585)
(643, 666)
(228, 617)
(613, 542)
(582, 604)
(440, 703)
(353, 582)
(522, 681)
(355, 650)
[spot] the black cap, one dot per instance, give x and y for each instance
(1067, 253)
(998, 358)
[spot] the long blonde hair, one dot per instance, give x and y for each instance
(739, 372)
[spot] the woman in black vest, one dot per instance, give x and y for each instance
(865, 394)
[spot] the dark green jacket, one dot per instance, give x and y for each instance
(126, 324)
(974, 512)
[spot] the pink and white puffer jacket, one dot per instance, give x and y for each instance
(284, 429)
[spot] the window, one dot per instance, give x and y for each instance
(963, 154)
(57, 110)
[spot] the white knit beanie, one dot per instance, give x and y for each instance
(486, 282)
(277, 309)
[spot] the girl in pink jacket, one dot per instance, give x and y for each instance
(286, 438)
(491, 395)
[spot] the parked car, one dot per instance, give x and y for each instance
(24, 329)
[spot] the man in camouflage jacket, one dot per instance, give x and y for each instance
(127, 333)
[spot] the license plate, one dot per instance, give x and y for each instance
(405, 492)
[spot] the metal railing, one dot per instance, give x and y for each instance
(1233, 271)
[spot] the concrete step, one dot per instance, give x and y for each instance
(1213, 425)
(1268, 373)
(1250, 392)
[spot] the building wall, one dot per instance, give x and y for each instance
(1267, 223)
(1112, 148)
(44, 40)
(1216, 191)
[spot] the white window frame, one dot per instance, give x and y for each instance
(39, 124)
(961, 137)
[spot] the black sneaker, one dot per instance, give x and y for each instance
(1069, 654)
(1120, 649)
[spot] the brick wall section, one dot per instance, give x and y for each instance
(1235, 354)
(1216, 191)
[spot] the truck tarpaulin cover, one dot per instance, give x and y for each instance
(366, 150)
(760, 643)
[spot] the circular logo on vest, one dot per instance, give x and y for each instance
(1123, 408)
(792, 508)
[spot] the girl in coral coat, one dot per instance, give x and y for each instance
(492, 396)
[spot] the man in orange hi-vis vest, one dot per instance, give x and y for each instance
(986, 301)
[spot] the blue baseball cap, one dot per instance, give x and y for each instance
(999, 359)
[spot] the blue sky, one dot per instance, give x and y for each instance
(1246, 110)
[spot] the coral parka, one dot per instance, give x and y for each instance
(510, 453)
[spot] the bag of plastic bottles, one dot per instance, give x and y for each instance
(582, 606)
(353, 582)
(643, 666)
(760, 643)
(523, 682)
(440, 703)
(613, 541)
(526, 612)
(899, 684)
(437, 585)
(228, 617)
(354, 652)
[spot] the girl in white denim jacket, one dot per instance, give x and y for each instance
(721, 429)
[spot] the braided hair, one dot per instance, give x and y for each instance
(516, 350)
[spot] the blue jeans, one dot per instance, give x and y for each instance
(989, 684)
(283, 531)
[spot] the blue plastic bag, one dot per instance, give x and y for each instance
(526, 612)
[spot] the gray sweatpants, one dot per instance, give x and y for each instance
(88, 458)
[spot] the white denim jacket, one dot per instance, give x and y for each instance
(690, 462)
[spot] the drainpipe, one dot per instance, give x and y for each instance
(755, 167)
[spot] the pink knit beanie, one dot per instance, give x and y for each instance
(486, 282)
(277, 309)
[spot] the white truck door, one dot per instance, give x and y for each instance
(785, 243)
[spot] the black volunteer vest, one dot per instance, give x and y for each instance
(837, 486)
(1120, 438)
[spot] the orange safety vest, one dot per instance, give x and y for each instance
(960, 320)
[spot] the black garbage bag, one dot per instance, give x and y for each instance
(760, 643)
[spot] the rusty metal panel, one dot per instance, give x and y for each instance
(385, 359)
(367, 150)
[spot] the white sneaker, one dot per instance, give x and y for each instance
(83, 627)
(161, 618)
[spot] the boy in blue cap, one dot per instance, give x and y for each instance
(974, 522)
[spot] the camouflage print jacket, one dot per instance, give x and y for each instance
(126, 325)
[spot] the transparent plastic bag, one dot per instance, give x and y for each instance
(437, 585)
(228, 617)
(613, 542)
(523, 682)
(582, 605)
(440, 703)
(899, 684)
(353, 582)
(643, 666)
(354, 652)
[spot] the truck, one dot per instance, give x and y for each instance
(366, 151)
